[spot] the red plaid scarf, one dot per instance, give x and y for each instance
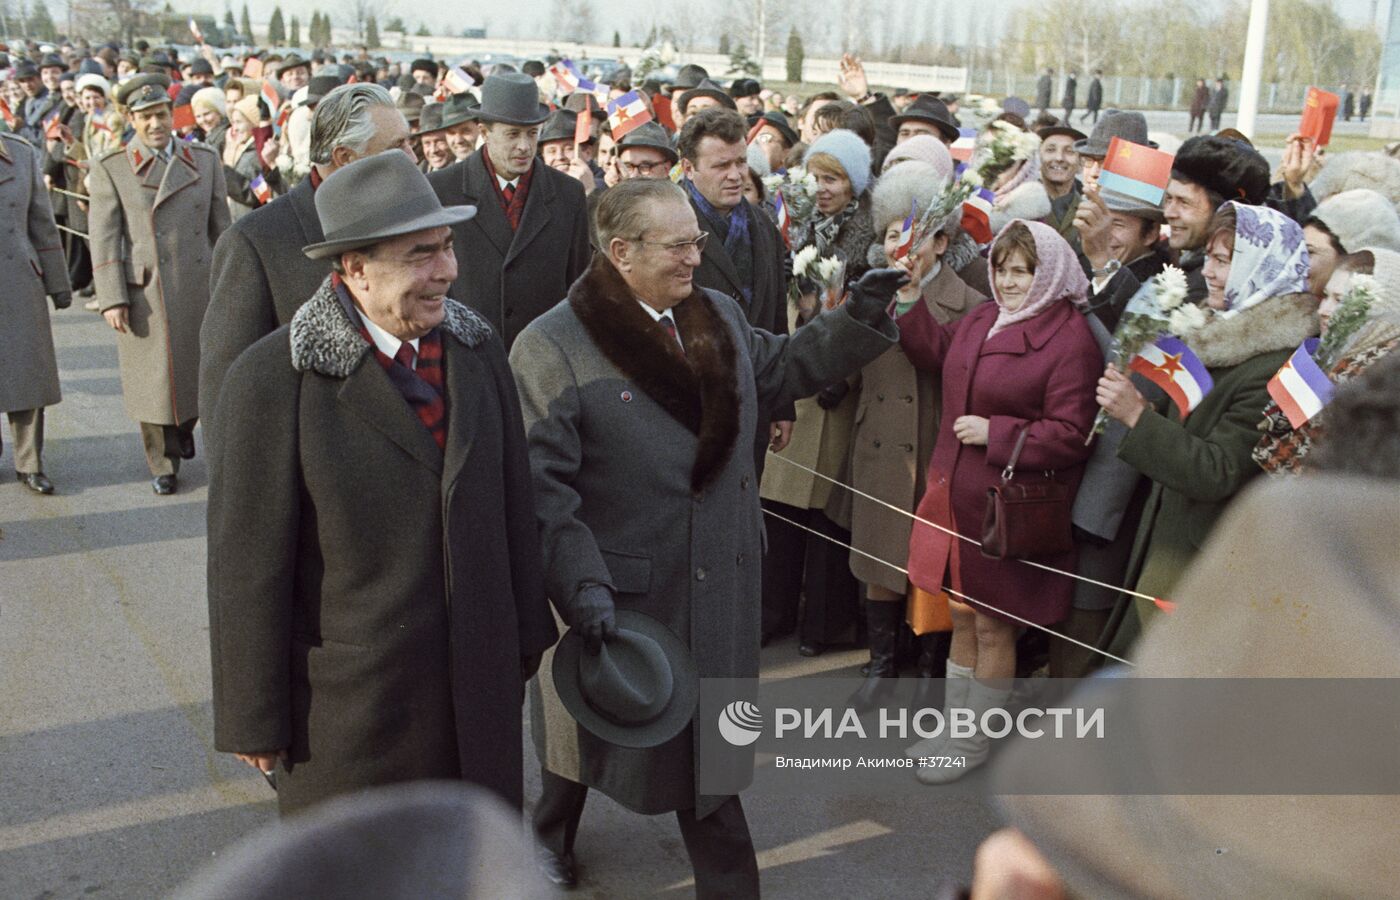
(514, 208)
(422, 386)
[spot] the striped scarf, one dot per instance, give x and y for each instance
(514, 208)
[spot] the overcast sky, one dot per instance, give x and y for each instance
(526, 18)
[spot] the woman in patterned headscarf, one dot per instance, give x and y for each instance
(1258, 310)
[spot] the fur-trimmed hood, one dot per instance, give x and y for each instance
(698, 387)
(324, 339)
(1279, 323)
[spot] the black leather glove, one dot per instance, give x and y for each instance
(592, 614)
(871, 296)
(831, 396)
(62, 300)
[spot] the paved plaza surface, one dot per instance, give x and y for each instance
(109, 783)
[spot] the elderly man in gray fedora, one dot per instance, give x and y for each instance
(260, 277)
(1129, 126)
(375, 593)
(529, 240)
(642, 394)
(646, 152)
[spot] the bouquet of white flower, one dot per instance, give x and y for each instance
(1158, 308)
(1000, 147)
(799, 190)
(978, 111)
(828, 272)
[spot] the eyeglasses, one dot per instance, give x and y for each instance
(679, 248)
(646, 168)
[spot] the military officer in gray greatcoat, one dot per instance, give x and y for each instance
(157, 207)
(33, 265)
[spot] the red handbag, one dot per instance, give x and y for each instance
(1028, 518)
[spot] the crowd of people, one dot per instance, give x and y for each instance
(749, 368)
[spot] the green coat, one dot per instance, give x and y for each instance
(1198, 466)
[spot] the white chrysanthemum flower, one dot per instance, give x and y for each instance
(971, 176)
(803, 260)
(1185, 319)
(827, 266)
(1363, 284)
(1170, 288)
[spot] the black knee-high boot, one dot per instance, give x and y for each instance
(883, 619)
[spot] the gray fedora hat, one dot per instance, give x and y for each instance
(1130, 126)
(1122, 203)
(689, 76)
(459, 108)
(561, 125)
(512, 98)
(650, 134)
(377, 198)
(706, 88)
(639, 691)
(430, 119)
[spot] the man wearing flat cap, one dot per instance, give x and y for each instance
(642, 392)
(529, 239)
(260, 277)
(375, 591)
(157, 208)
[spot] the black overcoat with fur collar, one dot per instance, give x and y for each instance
(371, 596)
(644, 482)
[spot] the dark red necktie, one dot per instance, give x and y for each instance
(670, 326)
(405, 355)
(508, 192)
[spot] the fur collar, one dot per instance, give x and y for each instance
(1279, 323)
(699, 388)
(324, 340)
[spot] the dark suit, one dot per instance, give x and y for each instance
(508, 277)
(767, 309)
(259, 279)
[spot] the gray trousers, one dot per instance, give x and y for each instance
(27, 429)
(162, 445)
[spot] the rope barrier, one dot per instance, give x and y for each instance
(70, 230)
(958, 594)
(1164, 605)
(69, 193)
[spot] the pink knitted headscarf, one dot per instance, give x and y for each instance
(1058, 276)
(922, 148)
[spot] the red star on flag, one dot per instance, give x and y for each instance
(1171, 364)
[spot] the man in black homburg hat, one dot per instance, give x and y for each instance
(375, 592)
(529, 240)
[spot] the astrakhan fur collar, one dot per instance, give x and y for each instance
(697, 388)
(1279, 323)
(324, 340)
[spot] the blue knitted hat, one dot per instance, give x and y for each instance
(850, 151)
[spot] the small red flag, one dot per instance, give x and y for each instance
(583, 131)
(183, 116)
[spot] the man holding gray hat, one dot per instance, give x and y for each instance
(376, 600)
(642, 395)
(529, 240)
(157, 208)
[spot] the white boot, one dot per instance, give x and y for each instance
(973, 750)
(954, 696)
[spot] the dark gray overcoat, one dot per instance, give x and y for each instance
(644, 482)
(509, 278)
(31, 259)
(371, 597)
(259, 279)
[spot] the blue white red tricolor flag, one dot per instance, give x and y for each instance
(457, 81)
(1170, 364)
(784, 218)
(571, 80)
(274, 104)
(977, 216)
(906, 233)
(626, 113)
(1301, 389)
(260, 189)
(962, 148)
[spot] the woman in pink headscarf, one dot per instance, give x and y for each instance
(1027, 363)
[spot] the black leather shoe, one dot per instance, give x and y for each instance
(164, 484)
(186, 446)
(810, 648)
(37, 482)
(558, 870)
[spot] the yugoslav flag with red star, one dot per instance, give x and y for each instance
(626, 113)
(906, 234)
(784, 218)
(1170, 364)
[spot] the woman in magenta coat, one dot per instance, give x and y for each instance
(1028, 362)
